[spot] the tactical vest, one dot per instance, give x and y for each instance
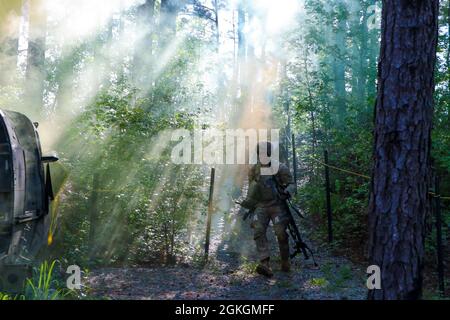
(262, 189)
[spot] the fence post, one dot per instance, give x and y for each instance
(93, 215)
(328, 196)
(210, 211)
(440, 255)
(294, 160)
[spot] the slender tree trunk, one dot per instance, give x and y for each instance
(373, 59)
(362, 63)
(166, 243)
(168, 13)
(216, 22)
(242, 45)
(287, 110)
(167, 21)
(448, 42)
(242, 87)
(339, 71)
(93, 217)
(403, 119)
(235, 65)
(143, 55)
(10, 12)
(172, 241)
(311, 106)
(65, 78)
(35, 71)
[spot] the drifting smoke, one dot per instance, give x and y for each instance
(91, 44)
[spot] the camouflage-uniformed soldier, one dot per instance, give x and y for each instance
(265, 196)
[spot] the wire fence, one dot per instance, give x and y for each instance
(437, 210)
(366, 176)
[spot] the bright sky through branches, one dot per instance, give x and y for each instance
(280, 14)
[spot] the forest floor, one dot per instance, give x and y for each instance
(230, 274)
(336, 279)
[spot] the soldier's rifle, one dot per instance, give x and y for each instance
(300, 246)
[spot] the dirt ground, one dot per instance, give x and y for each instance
(230, 274)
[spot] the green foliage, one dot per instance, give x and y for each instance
(125, 201)
(334, 47)
(336, 278)
(43, 286)
(319, 282)
(4, 297)
(249, 267)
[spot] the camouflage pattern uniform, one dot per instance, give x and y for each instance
(264, 198)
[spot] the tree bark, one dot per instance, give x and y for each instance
(143, 55)
(35, 71)
(216, 23)
(311, 104)
(372, 65)
(242, 68)
(65, 73)
(339, 71)
(242, 44)
(93, 217)
(448, 41)
(10, 12)
(362, 74)
(403, 119)
(167, 21)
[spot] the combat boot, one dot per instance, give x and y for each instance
(264, 269)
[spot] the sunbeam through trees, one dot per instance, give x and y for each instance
(127, 106)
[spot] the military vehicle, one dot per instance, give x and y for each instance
(25, 196)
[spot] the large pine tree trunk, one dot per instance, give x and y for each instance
(403, 119)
